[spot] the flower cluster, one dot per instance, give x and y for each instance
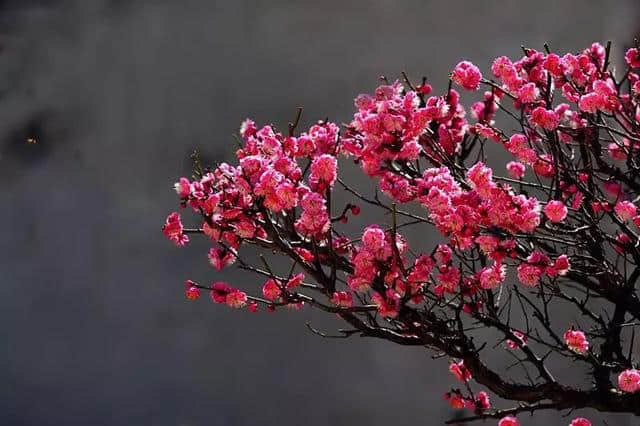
(220, 291)
(461, 214)
(235, 201)
(396, 127)
(563, 222)
(538, 265)
(377, 265)
(581, 81)
(478, 402)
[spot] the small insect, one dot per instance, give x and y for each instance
(31, 141)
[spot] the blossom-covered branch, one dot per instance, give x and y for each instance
(555, 229)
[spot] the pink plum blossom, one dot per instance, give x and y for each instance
(467, 75)
(629, 381)
(516, 169)
(508, 421)
(625, 210)
(577, 341)
(460, 371)
(580, 421)
(173, 230)
(556, 211)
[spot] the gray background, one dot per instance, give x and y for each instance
(94, 325)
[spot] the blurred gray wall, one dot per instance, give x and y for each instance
(95, 327)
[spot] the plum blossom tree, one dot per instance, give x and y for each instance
(558, 234)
